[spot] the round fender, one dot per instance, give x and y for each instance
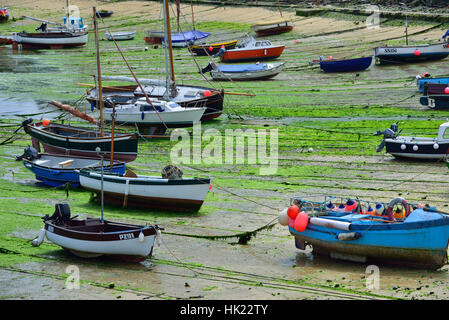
(398, 200)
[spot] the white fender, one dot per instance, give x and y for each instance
(141, 237)
(158, 237)
(40, 238)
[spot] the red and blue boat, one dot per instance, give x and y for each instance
(394, 233)
(348, 65)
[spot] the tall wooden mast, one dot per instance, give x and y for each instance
(100, 90)
(170, 73)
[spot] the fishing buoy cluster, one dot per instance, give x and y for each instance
(294, 218)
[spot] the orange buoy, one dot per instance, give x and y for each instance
(46, 122)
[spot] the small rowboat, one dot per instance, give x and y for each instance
(418, 147)
(52, 40)
(178, 39)
(104, 13)
(272, 27)
(403, 54)
(205, 49)
(146, 192)
(68, 140)
(56, 170)
(252, 50)
(91, 238)
(242, 72)
(420, 82)
(348, 65)
(120, 35)
(403, 234)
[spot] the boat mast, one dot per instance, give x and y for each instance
(193, 17)
(67, 14)
(406, 30)
(100, 90)
(170, 74)
(279, 6)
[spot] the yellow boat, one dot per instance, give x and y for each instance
(204, 49)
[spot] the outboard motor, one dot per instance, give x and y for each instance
(42, 27)
(390, 133)
(171, 172)
(208, 68)
(220, 53)
(29, 153)
(61, 214)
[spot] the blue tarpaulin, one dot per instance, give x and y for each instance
(236, 68)
(188, 36)
(446, 34)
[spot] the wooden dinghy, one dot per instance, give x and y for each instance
(415, 147)
(159, 113)
(245, 72)
(148, 192)
(56, 170)
(90, 238)
(120, 35)
(267, 28)
(211, 49)
(252, 50)
(394, 233)
(68, 140)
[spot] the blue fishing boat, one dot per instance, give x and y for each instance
(397, 233)
(178, 39)
(349, 65)
(57, 170)
(435, 96)
(420, 82)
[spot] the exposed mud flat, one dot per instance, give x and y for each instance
(298, 102)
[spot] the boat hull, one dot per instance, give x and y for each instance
(426, 149)
(120, 36)
(236, 55)
(421, 82)
(89, 241)
(350, 65)
(50, 40)
(173, 195)
(204, 50)
(422, 242)
(395, 55)
(272, 71)
(66, 140)
(54, 176)
(273, 30)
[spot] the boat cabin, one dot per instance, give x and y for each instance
(443, 131)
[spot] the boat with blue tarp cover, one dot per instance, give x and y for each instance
(361, 231)
(178, 39)
(348, 65)
(252, 71)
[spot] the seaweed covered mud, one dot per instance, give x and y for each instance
(325, 126)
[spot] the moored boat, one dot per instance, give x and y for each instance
(404, 234)
(421, 81)
(244, 72)
(104, 13)
(120, 35)
(403, 54)
(158, 113)
(416, 147)
(148, 192)
(68, 140)
(267, 28)
(252, 50)
(178, 39)
(4, 14)
(211, 49)
(56, 170)
(347, 65)
(435, 96)
(91, 238)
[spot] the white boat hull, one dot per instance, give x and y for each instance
(77, 40)
(392, 54)
(120, 36)
(271, 71)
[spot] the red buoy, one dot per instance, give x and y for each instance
(301, 221)
(207, 93)
(446, 90)
(417, 52)
(46, 122)
(293, 211)
(210, 48)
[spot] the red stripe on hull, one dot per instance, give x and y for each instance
(254, 54)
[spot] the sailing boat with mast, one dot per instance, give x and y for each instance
(411, 53)
(168, 90)
(70, 140)
(71, 33)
